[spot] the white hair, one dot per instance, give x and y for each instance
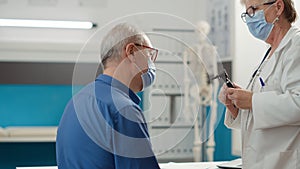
(243, 2)
(117, 38)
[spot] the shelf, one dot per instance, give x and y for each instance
(28, 134)
(26, 139)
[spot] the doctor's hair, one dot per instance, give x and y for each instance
(116, 39)
(289, 11)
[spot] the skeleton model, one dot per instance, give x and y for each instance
(201, 61)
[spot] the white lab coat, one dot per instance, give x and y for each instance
(271, 131)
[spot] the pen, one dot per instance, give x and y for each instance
(261, 82)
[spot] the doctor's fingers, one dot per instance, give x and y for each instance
(235, 94)
(224, 89)
(236, 86)
(241, 98)
(223, 98)
(223, 95)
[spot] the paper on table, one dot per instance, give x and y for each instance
(201, 165)
(234, 164)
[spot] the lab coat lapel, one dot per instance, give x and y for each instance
(272, 62)
(269, 67)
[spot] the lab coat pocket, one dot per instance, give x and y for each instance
(268, 88)
(280, 160)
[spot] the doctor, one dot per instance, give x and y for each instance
(268, 110)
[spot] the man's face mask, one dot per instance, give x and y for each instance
(149, 76)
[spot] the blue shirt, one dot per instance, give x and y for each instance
(103, 128)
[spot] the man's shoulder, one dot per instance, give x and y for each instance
(105, 96)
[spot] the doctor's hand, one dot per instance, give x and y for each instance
(223, 97)
(240, 98)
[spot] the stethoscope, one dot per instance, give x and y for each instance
(224, 76)
(255, 72)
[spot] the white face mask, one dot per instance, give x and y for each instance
(149, 76)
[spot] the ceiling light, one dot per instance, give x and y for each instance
(46, 24)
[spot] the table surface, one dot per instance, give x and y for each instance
(171, 165)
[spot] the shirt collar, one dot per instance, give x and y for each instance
(119, 85)
(286, 38)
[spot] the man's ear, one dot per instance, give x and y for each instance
(129, 51)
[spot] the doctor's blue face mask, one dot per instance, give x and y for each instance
(257, 24)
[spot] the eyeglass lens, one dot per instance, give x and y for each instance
(152, 53)
(251, 10)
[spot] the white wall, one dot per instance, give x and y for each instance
(248, 53)
(64, 45)
(102, 12)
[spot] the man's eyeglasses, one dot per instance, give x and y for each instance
(152, 52)
(251, 10)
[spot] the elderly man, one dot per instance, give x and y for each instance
(102, 126)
